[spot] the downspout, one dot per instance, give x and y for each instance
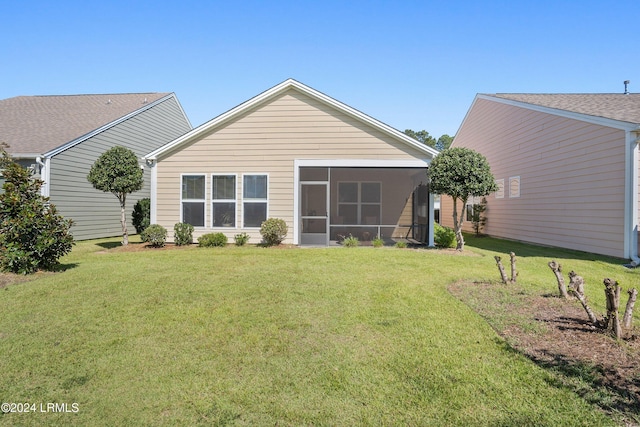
(153, 215)
(634, 159)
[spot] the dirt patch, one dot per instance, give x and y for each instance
(556, 335)
(7, 279)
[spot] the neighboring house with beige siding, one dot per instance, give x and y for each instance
(567, 167)
(294, 153)
(60, 137)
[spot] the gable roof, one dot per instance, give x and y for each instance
(274, 92)
(36, 125)
(614, 106)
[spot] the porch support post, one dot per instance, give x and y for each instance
(431, 242)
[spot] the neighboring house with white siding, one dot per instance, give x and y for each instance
(567, 166)
(294, 153)
(60, 137)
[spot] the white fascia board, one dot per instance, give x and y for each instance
(101, 129)
(274, 91)
(616, 124)
(363, 163)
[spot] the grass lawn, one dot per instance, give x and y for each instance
(255, 336)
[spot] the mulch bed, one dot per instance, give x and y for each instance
(556, 335)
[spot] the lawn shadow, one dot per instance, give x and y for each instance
(109, 245)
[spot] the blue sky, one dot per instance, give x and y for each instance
(410, 64)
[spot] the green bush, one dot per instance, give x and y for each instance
(241, 239)
(444, 237)
(155, 235)
(212, 240)
(141, 215)
(350, 242)
(273, 231)
(33, 235)
(182, 234)
(378, 242)
(401, 245)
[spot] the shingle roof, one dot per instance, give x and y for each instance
(614, 106)
(38, 124)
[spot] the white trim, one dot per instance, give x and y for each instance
(234, 200)
(243, 200)
(275, 91)
(364, 163)
(204, 175)
(109, 125)
(153, 193)
(631, 206)
(513, 195)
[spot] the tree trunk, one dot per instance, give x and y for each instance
(612, 292)
(577, 289)
(514, 273)
(457, 223)
(627, 319)
(123, 219)
(503, 274)
(557, 270)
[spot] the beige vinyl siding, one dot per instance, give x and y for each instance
(571, 177)
(95, 213)
(267, 139)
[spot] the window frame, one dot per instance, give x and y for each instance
(203, 200)
(359, 202)
(234, 200)
(246, 200)
(514, 194)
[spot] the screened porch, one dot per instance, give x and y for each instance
(364, 202)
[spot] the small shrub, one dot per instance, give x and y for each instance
(401, 245)
(140, 217)
(378, 242)
(212, 240)
(444, 237)
(241, 239)
(155, 235)
(350, 242)
(183, 234)
(273, 231)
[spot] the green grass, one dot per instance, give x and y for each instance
(258, 336)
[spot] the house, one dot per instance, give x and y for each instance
(567, 167)
(294, 153)
(60, 137)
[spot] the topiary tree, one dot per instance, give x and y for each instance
(117, 171)
(33, 235)
(461, 173)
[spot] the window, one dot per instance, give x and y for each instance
(254, 200)
(192, 199)
(514, 186)
(223, 200)
(500, 192)
(359, 202)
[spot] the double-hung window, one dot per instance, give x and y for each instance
(223, 200)
(254, 199)
(193, 199)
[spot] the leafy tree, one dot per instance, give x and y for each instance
(117, 171)
(422, 136)
(461, 173)
(33, 235)
(444, 142)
